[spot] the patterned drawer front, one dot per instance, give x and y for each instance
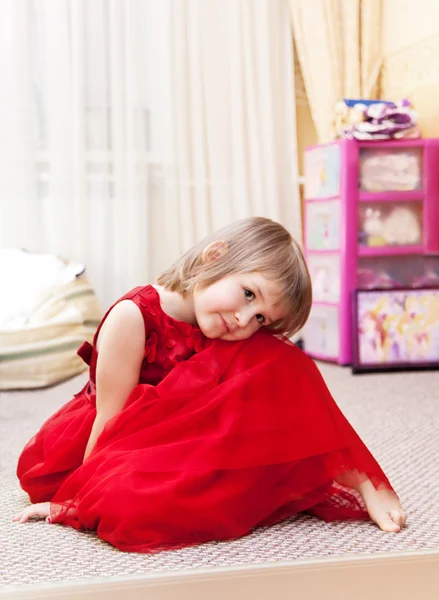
(321, 333)
(325, 277)
(323, 225)
(384, 170)
(322, 172)
(397, 271)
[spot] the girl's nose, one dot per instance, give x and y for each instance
(243, 317)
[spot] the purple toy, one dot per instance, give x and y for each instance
(377, 120)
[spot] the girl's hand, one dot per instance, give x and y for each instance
(41, 511)
(383, 507)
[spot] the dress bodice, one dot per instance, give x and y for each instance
(167, 340)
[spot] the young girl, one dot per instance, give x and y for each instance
(201, 421)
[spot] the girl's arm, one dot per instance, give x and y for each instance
(121, 347)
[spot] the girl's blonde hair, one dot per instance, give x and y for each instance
(253, 244)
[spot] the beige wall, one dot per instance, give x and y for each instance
(411, 58)
(406, 22)
(306, 132)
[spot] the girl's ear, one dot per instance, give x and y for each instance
(214, 252)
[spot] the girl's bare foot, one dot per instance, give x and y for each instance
(383, 507)
(41, 511)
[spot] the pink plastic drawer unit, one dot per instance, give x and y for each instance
(371, 222)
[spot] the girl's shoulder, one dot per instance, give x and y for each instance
(147, 299)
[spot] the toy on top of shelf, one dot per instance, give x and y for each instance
(375, 120)
(347, 117)
(385, 122)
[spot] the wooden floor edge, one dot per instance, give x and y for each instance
(406, 576)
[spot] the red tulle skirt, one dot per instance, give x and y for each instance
(239, 436)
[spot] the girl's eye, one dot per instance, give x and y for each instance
(248, 294)
(260, 318)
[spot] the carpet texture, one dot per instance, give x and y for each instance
(397, 415)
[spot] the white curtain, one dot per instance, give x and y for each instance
(129, 129)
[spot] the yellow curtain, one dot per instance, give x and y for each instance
(338, 44)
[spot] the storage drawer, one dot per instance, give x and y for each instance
(397, 271)
(321, 333)
(325, 277)
(322, 228)
(386, 170)
(322, 171)
(390, 224)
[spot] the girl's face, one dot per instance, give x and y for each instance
(236, 306)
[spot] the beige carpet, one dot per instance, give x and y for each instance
(397, 415)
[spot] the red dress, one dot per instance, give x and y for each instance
(216, 439)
